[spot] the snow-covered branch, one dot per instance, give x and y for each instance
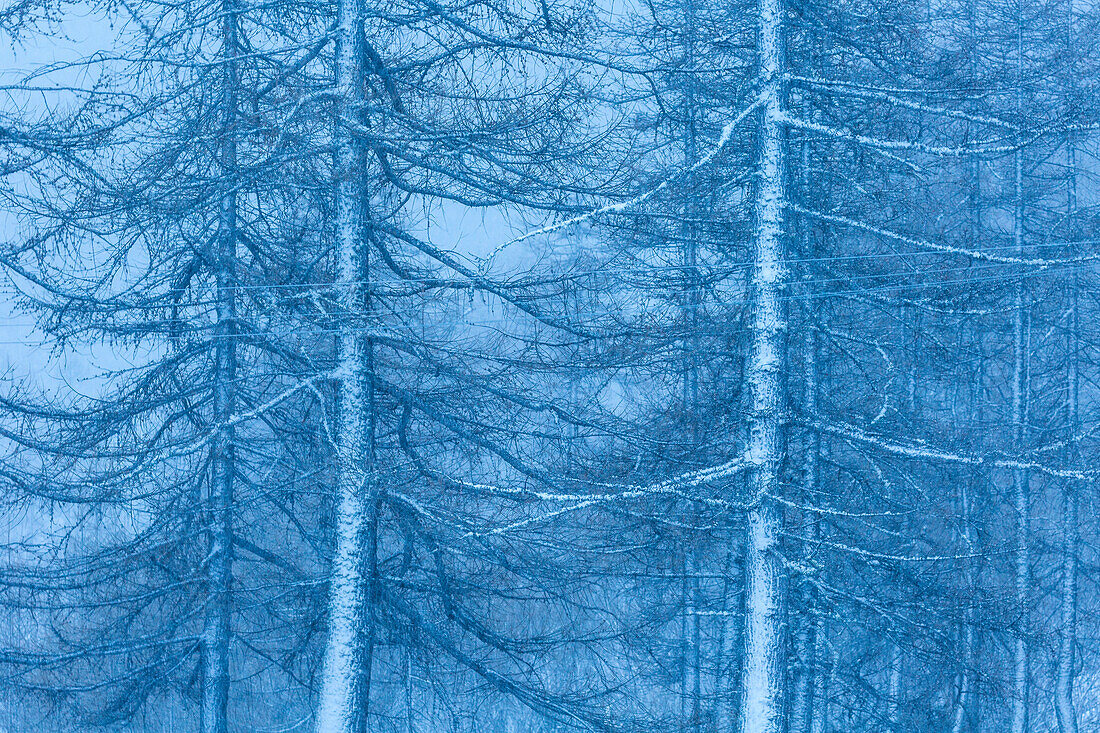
(928, 245)
(934, 454)
(623, 206)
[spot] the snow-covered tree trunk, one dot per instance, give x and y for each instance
(826, 682)
(893, 689)
(964, 698)
(1020, 478)
(806, 679)
(1067, 628)
(762, 669)
(219, 562)
(962, 703)
(695, 719)
(807, 670)
(728, 650)
(345, 683)
(965, 693)
(692, 682)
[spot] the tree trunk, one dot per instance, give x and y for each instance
(725, 716)
(807, 668)
(820, 722)
(1020, 479)
(1067, 629)
(1067, 636)
(969, 646)
(762, 669)
(219, 568)
(893, 689)
(696, 644)
(345, 684)
(965, 695)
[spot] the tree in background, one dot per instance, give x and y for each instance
(758, 400)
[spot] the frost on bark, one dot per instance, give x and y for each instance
(729, 647)
(1020, 479)
(345, 683)
(807, 668)
(761, 707)
(219, 567)
(1067, 629)
(965, 697)
(893, 689)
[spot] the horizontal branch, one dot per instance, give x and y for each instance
(974, 254)
(853, 90)
(723, 140)
(881, 144)
(925, 452)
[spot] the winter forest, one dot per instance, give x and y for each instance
(507, 366)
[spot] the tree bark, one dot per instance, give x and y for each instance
(725, 717)
(1020, 478)
(1067, 629)
(820, 716)
(762, 670)
(808, 669)
(965, 695)
(893, 689)
(969, 646)
(345, 685)
(217, 622)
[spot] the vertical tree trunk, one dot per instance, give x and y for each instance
(911, 326)
(685, 622)
(696, 643)
(893, 689)
(762, 669)
(409, 727)
(1067, 636)
(345, 685)
(1020, 479)
(725, 716)
(219, 569)
(808, 669)
(962, 704)
(965, 694)
(963, 700)
(821, 712)
(690, 257)
(1067, 629)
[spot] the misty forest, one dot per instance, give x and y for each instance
(508, 366)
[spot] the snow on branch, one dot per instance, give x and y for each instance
(854, 90)
(882, 144)
(53, 486)
(934, 246)
(723, 140)
(926, 452)
(675, 486)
